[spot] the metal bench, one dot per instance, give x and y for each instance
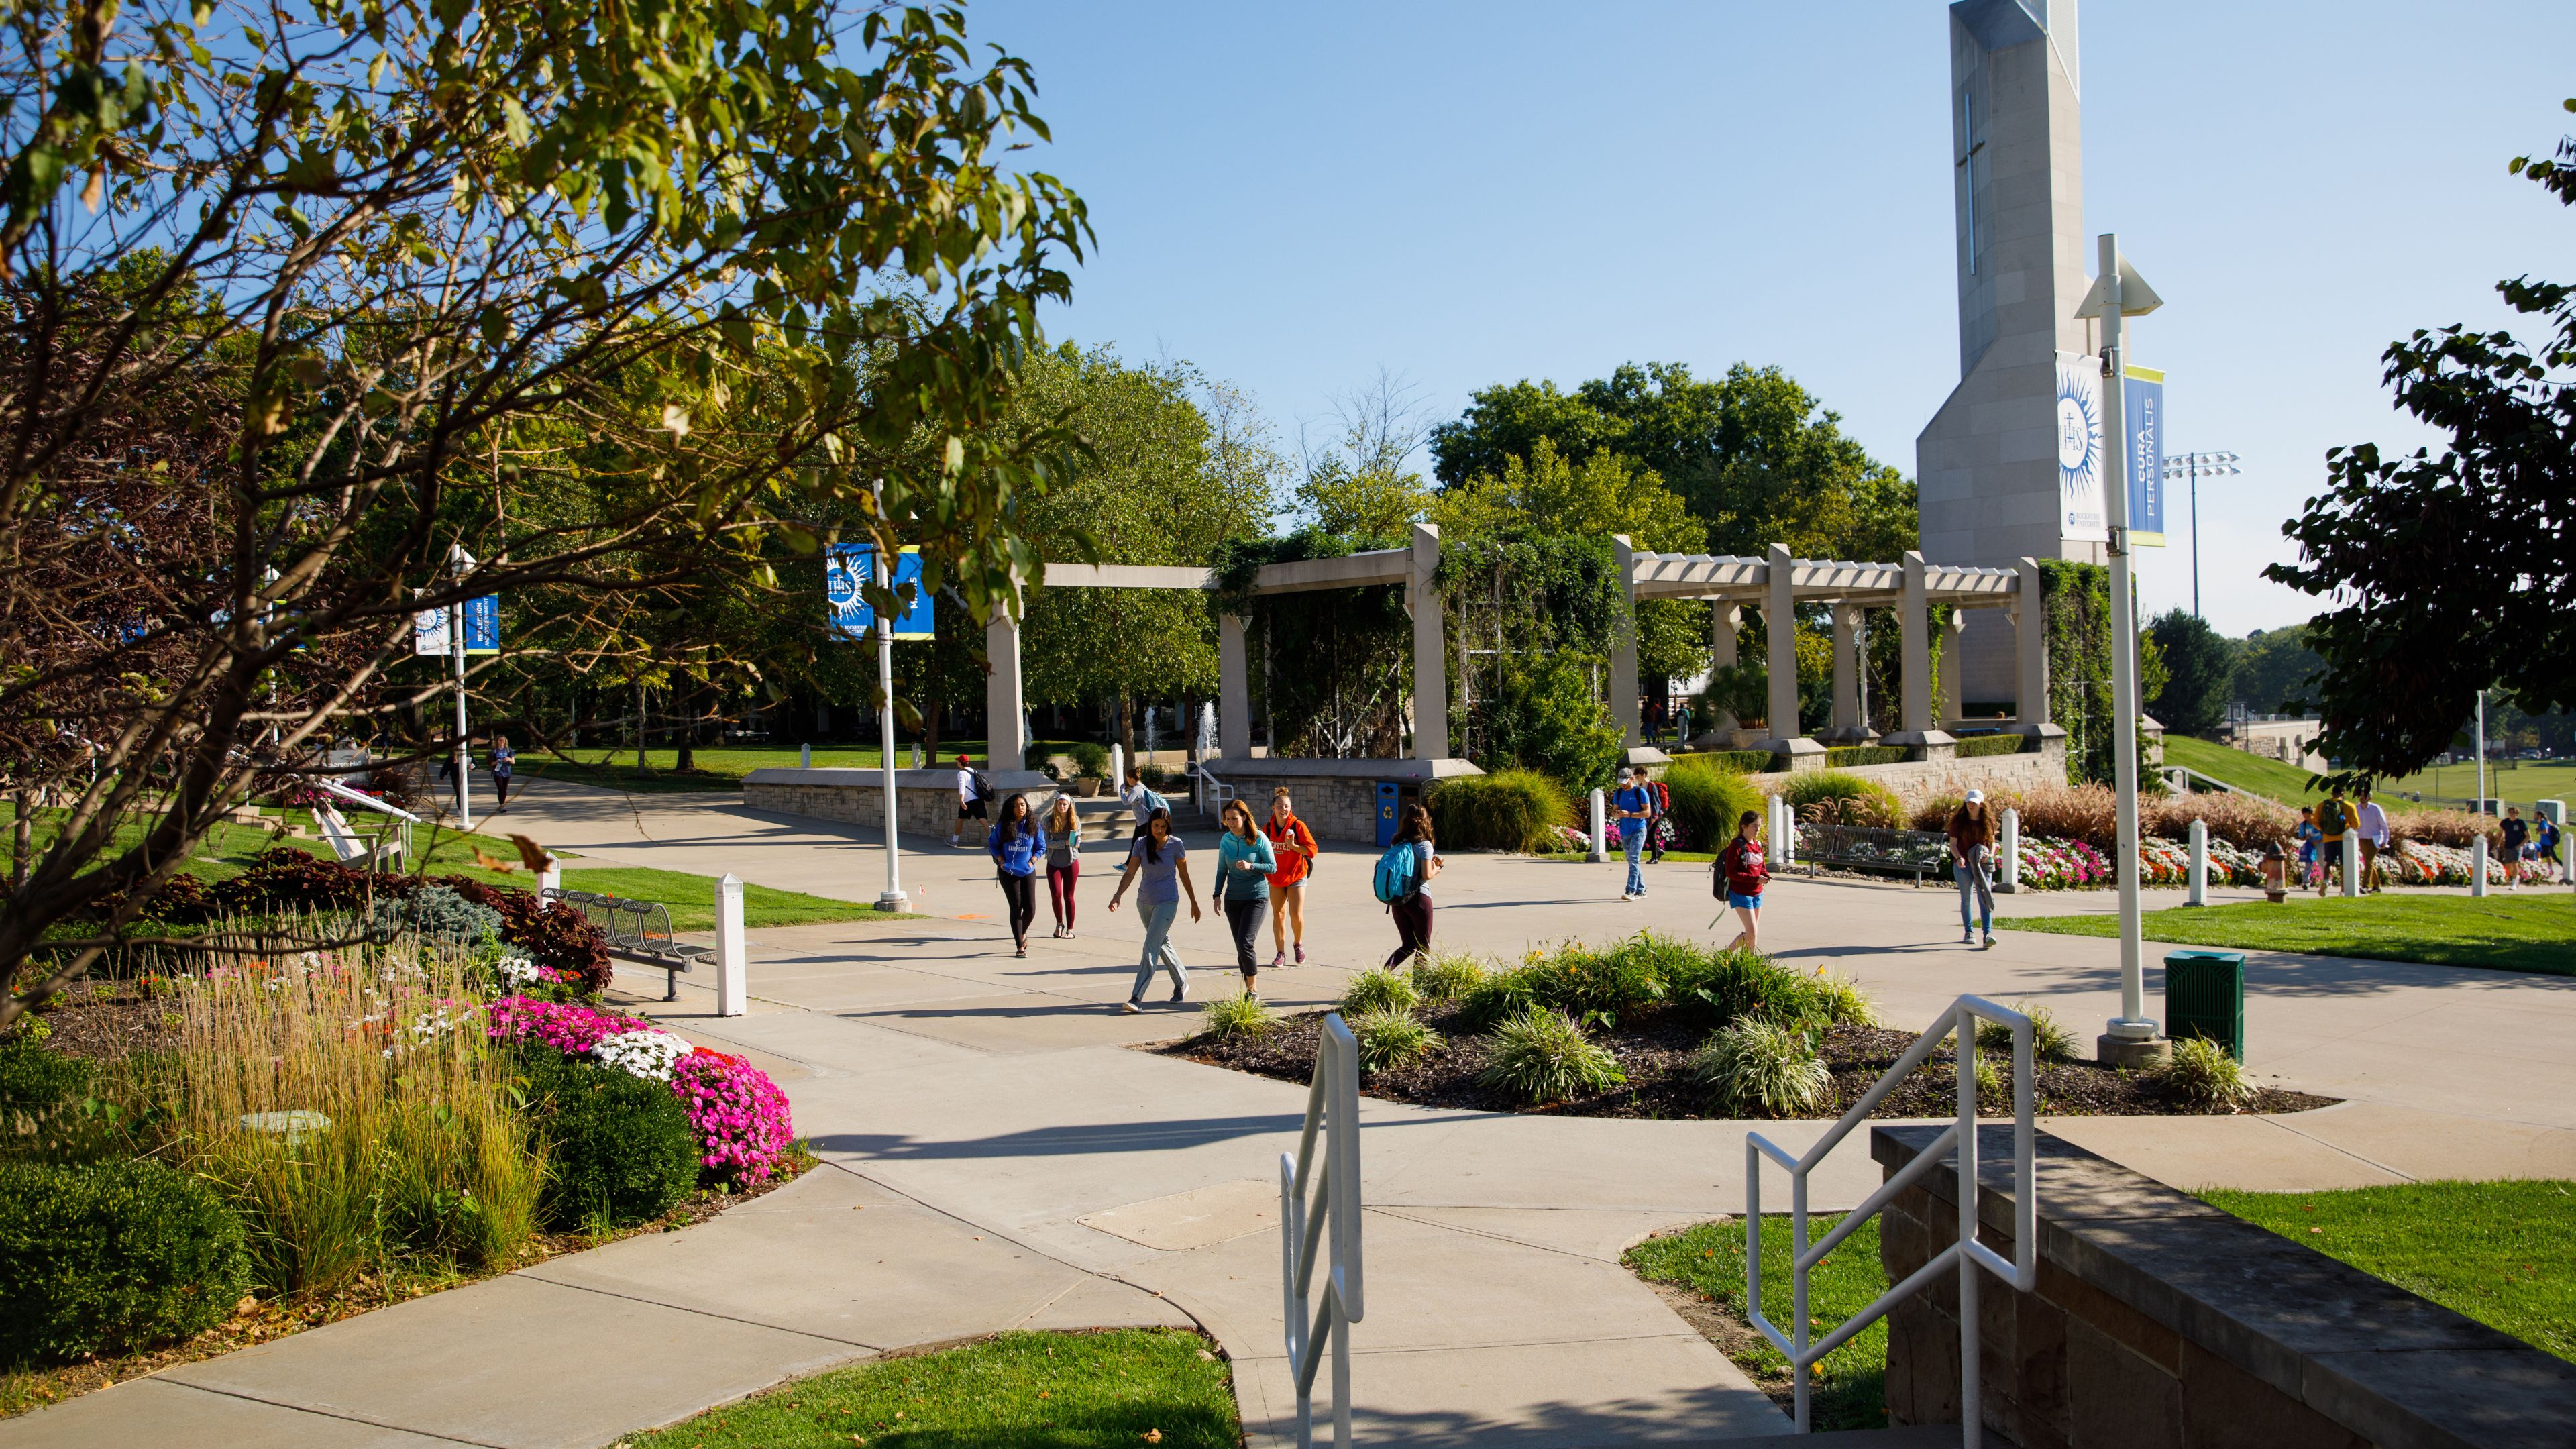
(1861, 847)
(637, 931)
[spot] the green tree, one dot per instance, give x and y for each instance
(2200, 673)
(2276, 672)
(1362, 484)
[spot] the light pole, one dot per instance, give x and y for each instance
(2194, 467)
(893, 898)
(462, 563)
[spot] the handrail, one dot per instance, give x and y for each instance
(1316, 1195)
(1966, 1254)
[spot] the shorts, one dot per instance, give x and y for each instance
(971, 810)
(1740, 902)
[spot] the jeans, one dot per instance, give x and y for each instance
(1243, 918)
(1158, 949)
(1060, 883)
(1021, 891)
(1412, 929)
(1973, 880)
(1633, 841)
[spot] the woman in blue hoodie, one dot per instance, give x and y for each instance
(1018, 846)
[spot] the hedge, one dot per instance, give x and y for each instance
(112, 1256)
(1979, 746)
(1506, 810)
(1843, 757)
(1707, 801)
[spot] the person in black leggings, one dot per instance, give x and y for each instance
(1244, 862)
(1018, 846)
(1413, 913)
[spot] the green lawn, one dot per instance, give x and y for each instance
(2493, 1251)
(1056, 1390)
(692, 898)
(1850, 1384)
(2533, 929)
(717, 769)
(2285, 783)
(2516, 783)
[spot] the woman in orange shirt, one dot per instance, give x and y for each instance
(1294, 846)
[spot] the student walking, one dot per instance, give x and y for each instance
(1741, 873)
(2307, 836)
(1063, 862)
(2545, 835)
(504, 760)
(1661, 805)
(1293, 846)
(1018, 844)
(1972, 846)
(2334, 818)
(1141, 802)
(1158, 856)
(1243, 865)
(1404, 875)
(1633, 803)
(971, 790)
(2372, 822)
(2517, 842)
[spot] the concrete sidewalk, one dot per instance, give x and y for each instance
(997, 1157)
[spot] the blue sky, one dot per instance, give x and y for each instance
(1295, 196)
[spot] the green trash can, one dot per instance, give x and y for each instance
(2205, 997)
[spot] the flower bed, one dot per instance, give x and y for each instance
(740, 1115)
(2421, 862)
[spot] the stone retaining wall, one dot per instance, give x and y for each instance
(925, 800)
(2161, 1322)
(1917, 781)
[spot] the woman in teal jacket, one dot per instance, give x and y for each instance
(1244, 862)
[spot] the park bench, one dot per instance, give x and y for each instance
(1862, 847)
(637, 931)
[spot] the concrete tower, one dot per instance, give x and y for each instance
(1987, 462)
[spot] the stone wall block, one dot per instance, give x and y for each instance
(1922, 1373)
(2133, 1330)
(2225, 1407)
(2122, 1401)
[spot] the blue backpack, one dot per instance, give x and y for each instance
(1398, 873)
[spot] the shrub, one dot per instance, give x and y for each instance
(743, 1124)
(1089, 758)
(437, 913)
(622, 1146)
(1506, 810)
(1541, 714)
(1977, 747)
(1847, 799)
(1390, 1038)
(1543, 1056)
(562, 940)
(1847, 756)
(1744, 762)
(2086, 813)
(1724, 987)
(1707, 801)
(2454, 828)
(2247, 822)
(112, 1256)
(1378, 989)
(1446, 977)
(2203, 1075)
(1236, 1016)
(1839, 1001)
(33, 1078)
(2049, 1041)
(1756, 1068)
(284, 878)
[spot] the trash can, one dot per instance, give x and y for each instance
(2205, 997)
(1389, 797)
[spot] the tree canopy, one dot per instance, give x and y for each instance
(2200, 673)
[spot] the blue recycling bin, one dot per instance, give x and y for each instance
(1389, 806)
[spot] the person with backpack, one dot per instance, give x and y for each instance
(1140, 801)
(2517, 842)
(1662, 798)
(1064, 862)
(1631, 804)
(2546, 834)
(1403, 883)
(2307, 837)
(1244, 862)
(1157, 855)
(1018, 844)
(1741, 872)
(1293, 846)
(2333, 818)
(973, 789)
(1972, 852)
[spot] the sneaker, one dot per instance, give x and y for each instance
(1301, 953)
(1131, 1006)
(1180, 993)
(1990, 943)
(1278, 959)
(1967, 937)
(1022, 952)
(1625, 897)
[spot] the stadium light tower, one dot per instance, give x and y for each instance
(2193, 467)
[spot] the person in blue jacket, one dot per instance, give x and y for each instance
(1018, 845)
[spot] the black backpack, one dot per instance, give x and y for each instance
(983, 785)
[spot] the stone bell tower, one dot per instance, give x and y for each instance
(1987, 462)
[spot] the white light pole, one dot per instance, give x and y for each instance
(2129, 1039)
(462, 563)
(2481, 807)
(2194, 467)
(893, 898)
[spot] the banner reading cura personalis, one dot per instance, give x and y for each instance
(2142, 397)
(2083, 509)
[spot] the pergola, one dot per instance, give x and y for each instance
(1778, 583)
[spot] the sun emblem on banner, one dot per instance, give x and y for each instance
(2079, 444)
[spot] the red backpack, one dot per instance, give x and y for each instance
(1662, 797)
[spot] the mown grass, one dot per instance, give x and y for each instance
(2532, 930)
(2493, 1251)
(717, 769)
(1053, 1390)
(1849, 1385)
(2518, 781)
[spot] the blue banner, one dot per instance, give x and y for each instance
(847, 569)
(2144, 402)
(482, 628)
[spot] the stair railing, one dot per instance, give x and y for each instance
(1966, 1255)
(1319, 1205)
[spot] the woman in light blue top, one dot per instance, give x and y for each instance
(1160, 858)
(1244, 862)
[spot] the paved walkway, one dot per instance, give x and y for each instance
(996, 1157)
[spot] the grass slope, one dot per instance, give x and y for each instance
(1051, 1390)
(2516, 782)
(2533, 930)
(2285, 783)
(1850, 1384)
(2493, 1251)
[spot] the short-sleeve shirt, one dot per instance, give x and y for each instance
(2515, 833)
(1157, 880)
(503, 759)
(965, 786)
(1633, 797)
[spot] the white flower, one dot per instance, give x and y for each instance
(518, 971)
(646, 1054)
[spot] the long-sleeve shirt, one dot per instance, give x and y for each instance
(1234, 883)
(1020, 852)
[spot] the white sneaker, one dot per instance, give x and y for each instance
(1131, 1008)
(1625, 897)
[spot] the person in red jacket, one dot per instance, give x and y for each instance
(1741, 874)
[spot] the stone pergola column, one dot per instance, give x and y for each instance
(1724, 619)
(1623, 648)
(1006, 738)
(1430, 657)
(2030, 649)
(1954, 696)
(1233, 690)
(1847, 721)
(1780, 632)
(1914, 645)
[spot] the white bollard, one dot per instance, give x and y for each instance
(1118, 770)
(805, 755)
(1600, 845)
(1788, 831)
(733, 989)
(549, 879)
(2478, 866)
(2200, 862)
(2008, 854)
(2352, 865)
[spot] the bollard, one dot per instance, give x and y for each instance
(805, 755)
(1118, 770)
(2352, 864)
(2008, 854)
(2200, 862)
(1600, 849)
(549, 879)
(2478, 866)
(733, 992)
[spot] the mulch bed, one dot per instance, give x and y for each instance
(104, 1020)
(1656, 1054)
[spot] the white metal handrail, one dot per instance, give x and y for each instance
(1316, 1194)
(1967, 1254)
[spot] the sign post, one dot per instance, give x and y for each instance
(854, 616)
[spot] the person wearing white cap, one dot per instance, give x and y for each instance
(1972, 848)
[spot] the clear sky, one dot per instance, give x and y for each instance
(1295, 196)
